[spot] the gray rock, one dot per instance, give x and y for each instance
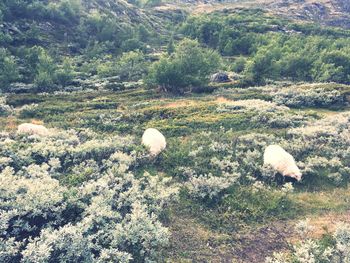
(220, 77)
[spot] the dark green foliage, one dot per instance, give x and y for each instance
(190, 66)
(48, 75)
(70, 28)
(65, 73)
(231, 34)
(131, 66)
(143, 33)
(242, 205)
(8, 69)
(100, 26)
(275, 48)
(239, 64)
(132, 44)
(170, 47)
(301, 58)
(261, 47)
(66, 11)
(44, 78)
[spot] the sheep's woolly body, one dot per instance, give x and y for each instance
(154, 140)
(33, 129)
(281, 161)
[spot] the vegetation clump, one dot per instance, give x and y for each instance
(189, 66)
(53, 208)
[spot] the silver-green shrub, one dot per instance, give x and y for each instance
(313, 251)
(71, 197)
(264, 113)
(218, 161)
(323, 146)
(300, 96)
(5, 109)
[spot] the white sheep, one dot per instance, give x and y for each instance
(154, 140)
(281, 161)
(32, 129)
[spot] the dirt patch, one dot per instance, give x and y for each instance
(179, 104)
(260, 243)
(194, 242)
(324, 224)
(37, 122)
(222, 100)
(187, 103)
(256, 245)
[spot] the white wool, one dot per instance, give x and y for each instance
(281, 161)
(154, 140)
(33, 129)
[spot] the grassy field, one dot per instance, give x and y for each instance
(241, 226)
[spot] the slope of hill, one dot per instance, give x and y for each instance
(76, 32)
(73, 23)
(326, 12)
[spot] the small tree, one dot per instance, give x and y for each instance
(45, 72)
(189, 66)
(65, 73)
(170, 47)
(8, 69)
(132, 66)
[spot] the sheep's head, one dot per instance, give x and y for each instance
(297, 175)
(294, 172)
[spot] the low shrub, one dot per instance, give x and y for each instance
(189, 66)
(301, 96)
(5, 109)
(71, 196)
(331, 248)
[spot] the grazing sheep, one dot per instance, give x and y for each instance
(281, 161)
(154, 140)
(33, 129)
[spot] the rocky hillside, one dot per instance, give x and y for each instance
(74, 24)
(327, 12)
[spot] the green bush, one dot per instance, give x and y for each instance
(67, 11)
(132, 44)
(315, 54)
(48, 73)
(106, 67)
(189, 66)
(103, 27)
(152, 3)
(8, 69)
(44, 78)
(132, 66)
(65, 73)
(239, 64)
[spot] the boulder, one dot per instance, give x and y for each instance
(219, 77)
